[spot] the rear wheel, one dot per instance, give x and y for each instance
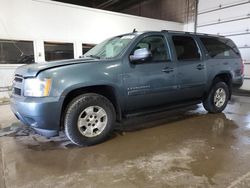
(217, 99)
(89, 119)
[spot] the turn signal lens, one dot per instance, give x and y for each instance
(47, 87)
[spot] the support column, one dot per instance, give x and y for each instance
(39, 53)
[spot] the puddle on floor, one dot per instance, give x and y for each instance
(34, 141)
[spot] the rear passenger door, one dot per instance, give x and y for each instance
(191, 70)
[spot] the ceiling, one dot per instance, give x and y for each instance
(112, 5)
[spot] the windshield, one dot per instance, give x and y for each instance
(110, 48)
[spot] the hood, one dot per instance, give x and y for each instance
(34, 69)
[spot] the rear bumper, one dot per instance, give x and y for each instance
(42, 114)
(237, 82)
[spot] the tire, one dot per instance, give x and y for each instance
(89, 119)
(211, 101)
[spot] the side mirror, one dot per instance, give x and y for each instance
(140, 55)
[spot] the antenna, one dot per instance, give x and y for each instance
(134, 31)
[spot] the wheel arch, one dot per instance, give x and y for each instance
(105, 90)
(225, 77)
(222, 76)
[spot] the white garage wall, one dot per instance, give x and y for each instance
(44, 20)
(232, 19)
(48, 20)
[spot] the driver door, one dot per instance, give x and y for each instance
(150, 82)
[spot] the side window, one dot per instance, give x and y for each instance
(186, 48)
(156, 45)
(16, 52)
(86, 47)
(220, 48)
(58, 51)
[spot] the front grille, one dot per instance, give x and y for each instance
(17, 91)
(18, 85)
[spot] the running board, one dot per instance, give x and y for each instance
(161, 109)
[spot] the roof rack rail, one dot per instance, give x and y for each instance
(174, 31)
(192, 33)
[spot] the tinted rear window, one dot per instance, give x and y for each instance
(220, 47)
(186, 48)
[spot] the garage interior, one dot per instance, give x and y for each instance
(185, 147)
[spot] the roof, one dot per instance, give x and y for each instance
(176, 32)
(137, 33)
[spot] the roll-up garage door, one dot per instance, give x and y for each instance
(230, 18)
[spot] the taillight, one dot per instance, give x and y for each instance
(242, 67)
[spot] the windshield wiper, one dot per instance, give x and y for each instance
(94, 56)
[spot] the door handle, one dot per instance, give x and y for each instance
(168, 70)
(200, 67)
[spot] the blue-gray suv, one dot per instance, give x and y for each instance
(126, 75)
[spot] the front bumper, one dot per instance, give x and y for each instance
(42, 114)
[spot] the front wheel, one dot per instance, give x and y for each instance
(89, 119)
(217, 99)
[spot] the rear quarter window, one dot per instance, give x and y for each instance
(220, 48)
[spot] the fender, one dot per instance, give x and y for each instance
(91, 87)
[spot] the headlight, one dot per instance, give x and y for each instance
(34, 87)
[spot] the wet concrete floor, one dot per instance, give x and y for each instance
(183, 148)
